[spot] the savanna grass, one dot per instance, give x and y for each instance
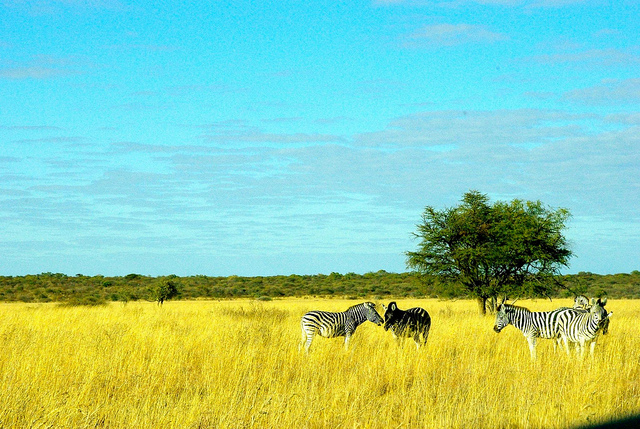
(207, 364)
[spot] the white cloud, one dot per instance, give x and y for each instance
(451, 35)
(308, 195)
(35, 72)
(443, 130)
(591, 57)
(610, 92)
(530, 4)
(261, 138)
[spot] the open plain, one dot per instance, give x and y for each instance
(207, 364)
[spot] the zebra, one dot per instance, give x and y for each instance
(581, 302)
(533, 325)
(583, 327)
(344, 324)
(413, 323)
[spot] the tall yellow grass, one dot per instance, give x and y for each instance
(236, 364)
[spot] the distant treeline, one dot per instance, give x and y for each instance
(86, 290)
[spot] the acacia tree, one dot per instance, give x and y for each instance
(508, 248)
(166, 291)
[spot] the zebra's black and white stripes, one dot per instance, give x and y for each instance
(581, 324)
(583, 327)
(343, 324)
(534, 325)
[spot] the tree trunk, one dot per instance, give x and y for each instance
(482, 305)
(493, 302)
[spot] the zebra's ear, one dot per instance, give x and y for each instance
(393, 306)
(603, 301)
(384, 307)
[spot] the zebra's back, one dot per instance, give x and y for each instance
(416, 318)
(577, 325)
(546, 323)
(324, 323)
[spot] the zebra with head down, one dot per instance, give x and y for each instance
(343, 324)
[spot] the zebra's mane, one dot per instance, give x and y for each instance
(357, 305)
(516, 307)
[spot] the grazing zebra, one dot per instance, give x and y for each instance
(344, 324)
(534, 325)
(584, 327)
(412, 323)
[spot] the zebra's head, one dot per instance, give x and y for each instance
(581, 301)
(372, 314)
(599, 314)
(392, 315)
(502, 317)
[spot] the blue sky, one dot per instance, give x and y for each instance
(289, 137)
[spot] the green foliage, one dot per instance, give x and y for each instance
(514, 248)
(166, 290)
(87, 290)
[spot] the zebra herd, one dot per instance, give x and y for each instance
(581, 324)
(414, 323)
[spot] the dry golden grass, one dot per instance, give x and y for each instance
(236, 364)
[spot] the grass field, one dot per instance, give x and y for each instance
(208, 364)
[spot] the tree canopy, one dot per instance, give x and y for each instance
(505, 248)
(166, 291)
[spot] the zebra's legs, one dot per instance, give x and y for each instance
(581, 347)
(346, 341)
(532, 347)
(593, 347)
(416, 339)
(557, 343)
(397, 338)
(565, 340)
(304, 337)
(307, 338)
(308, 343)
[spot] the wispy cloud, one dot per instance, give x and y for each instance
(592, 57)
(57, 139)
(145, 47)
(35, 72)
(438, 35)
(448, 129)
(31, 128)
(41, 66)
(51, 7)
(533, 4)
(305, 189)
(609, 92)
(260, 137)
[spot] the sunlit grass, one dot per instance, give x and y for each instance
(237, 364)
